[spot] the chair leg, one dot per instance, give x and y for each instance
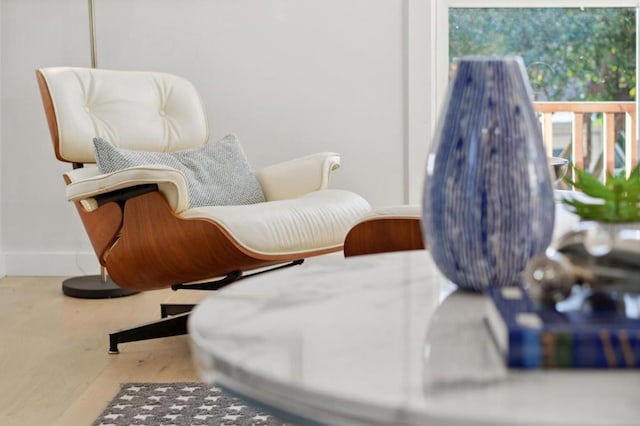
(170, 309)
(174, 316)
(170, 326)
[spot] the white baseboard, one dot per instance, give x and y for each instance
(53, 263)
(3, 265)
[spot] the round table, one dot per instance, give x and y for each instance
(385, 340)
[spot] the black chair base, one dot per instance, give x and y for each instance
(173, 322)
(93, 287)
(174, 317)
(171, 309)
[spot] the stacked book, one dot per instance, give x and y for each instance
(568, 336)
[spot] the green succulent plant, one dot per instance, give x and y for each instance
(620, 196)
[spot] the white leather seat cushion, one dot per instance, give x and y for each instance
(317, 220)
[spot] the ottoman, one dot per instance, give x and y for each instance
(386, 229)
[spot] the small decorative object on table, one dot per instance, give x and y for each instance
(580, 307)
(488, 203)
(603, 252)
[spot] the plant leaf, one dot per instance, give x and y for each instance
(635, 173)
(591, 186)
(620, 196)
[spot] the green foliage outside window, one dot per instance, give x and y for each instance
(572, 54)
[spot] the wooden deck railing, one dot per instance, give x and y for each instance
(576, 148)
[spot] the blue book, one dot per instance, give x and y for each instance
(565, 336)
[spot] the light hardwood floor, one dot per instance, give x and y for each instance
(54, 365)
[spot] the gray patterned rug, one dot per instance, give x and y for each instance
(180, 404)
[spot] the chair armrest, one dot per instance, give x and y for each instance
(297, 177)
(87, 183)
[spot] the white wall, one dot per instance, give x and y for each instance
(2, 179)
(41, 232)
(289, 77)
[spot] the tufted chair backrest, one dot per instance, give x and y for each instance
(148, 111)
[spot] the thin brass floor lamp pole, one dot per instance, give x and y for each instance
(92, 33)
(93, 286)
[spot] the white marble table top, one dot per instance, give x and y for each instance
(385, 340)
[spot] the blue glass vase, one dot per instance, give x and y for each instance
(488, 204)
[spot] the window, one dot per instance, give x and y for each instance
(572, 54)
(575, 52)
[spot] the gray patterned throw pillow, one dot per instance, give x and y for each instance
(217, 174)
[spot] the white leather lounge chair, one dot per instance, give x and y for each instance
(139, 219)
